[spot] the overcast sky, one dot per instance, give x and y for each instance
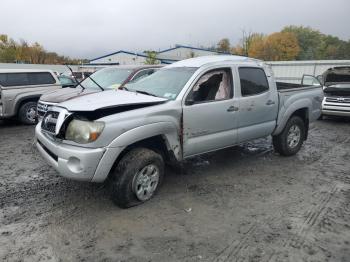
(90, 28)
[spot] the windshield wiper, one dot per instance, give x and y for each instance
(78, 82)
(96, 83)
(138, 91)
(124, 88)
(144, 93)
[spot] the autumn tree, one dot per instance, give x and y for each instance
(22, 52)
(256, 46)
(224, 45)
(249, 41)
(281, 46)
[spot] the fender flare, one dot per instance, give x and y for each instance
(20, 99)
(167, 130)
(291, 109)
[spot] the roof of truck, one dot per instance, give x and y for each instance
(135, 67)
(24, 70)
(205, 60)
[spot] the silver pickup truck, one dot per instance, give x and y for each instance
(20, 90)
(185, 109)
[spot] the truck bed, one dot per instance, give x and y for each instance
(291, 86)
(291, 96)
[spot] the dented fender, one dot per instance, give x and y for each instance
(167, 130)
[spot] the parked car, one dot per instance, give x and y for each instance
(104, 79)
(67, 81)
(337, 92)
(79, 76)
(185, 109)
(21, 89)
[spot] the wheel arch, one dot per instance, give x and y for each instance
(160, 137)
(299, 108)
(22, 100)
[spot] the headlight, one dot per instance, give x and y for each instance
(83, 132)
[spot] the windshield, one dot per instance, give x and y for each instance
(107, 78)
(66, 80)
(167, 82)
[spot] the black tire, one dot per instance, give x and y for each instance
(24, 113)
(320, 117)
(123, 177)
(280, 142)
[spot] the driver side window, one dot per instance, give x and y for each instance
(214, 85)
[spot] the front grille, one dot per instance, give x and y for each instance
(49, 122)
(42, 109)
(338, 99)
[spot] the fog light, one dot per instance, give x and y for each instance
(74, 165)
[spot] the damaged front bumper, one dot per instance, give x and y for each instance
(74, 162)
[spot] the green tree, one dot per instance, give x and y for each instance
(309, 41)
(151, 58)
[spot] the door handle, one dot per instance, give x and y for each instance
(270, 102)
(232, 109)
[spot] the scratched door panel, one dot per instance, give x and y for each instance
(258, 104)
(256, 117)
(209, 126)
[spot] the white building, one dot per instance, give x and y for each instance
(181, 52)
(293, 71)
(120, 58)
(168, 56)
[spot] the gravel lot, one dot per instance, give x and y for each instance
(242, 204)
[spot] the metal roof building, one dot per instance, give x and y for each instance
(292, 71)
(168, 56)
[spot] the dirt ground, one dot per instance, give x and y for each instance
(242, 204)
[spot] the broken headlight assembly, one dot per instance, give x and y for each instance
(84, 132)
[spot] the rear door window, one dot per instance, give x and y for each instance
(25, 79)
(253, 81)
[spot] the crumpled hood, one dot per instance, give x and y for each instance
(64, 94)
(109, 99)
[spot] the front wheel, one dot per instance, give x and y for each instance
(291, 139)
(27, 113)
(137, 177)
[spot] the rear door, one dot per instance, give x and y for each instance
(258, 104)
(209, 113)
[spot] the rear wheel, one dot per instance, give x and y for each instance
(289, 142)
(137, 177)
(27, 113)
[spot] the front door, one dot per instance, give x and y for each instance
(209, 113)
